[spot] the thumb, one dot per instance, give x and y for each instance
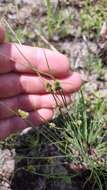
(2, 34)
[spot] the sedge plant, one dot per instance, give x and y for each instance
(83, 139)
(79, 133)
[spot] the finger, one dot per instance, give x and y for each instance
(9, 107)
(25, 59)
(2, 34)
(14, 84)
(15, 124)
(33, 84)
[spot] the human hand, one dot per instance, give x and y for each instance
(22, 88)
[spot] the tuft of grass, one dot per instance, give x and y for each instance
(82, 138)
(58, 20)
(91, 18)
(93, 63)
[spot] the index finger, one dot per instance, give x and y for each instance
(26, 59)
